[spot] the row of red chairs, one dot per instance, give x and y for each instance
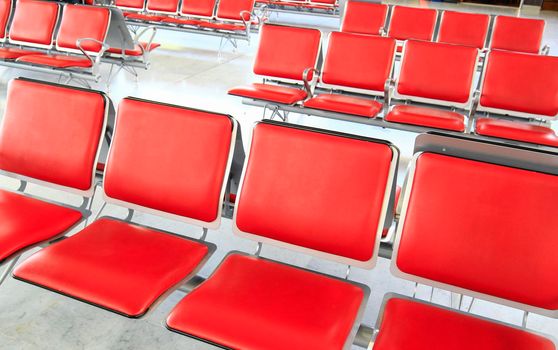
(434, 88)
(461, 28)
(63, 39)
(230, 19)
(173, 162)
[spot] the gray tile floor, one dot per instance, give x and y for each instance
(186, 71)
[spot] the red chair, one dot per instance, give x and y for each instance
(434, 73)
(155, 10)
(283, 55)
(165, 160)
(82, 34)
(364, 17)
(354, 63)
(193, 10)
(461, 28)
(5, 13)
(463, 230)
(32, 27)
(412, 23)
(42, 141)
(517, 34)
(522, 86)
(271, 305)
(130, 5)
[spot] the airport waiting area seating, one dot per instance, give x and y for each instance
(254, 302)
(232, 20)
(328, 8)
(478, 30)
(435, 88)
(68, 40)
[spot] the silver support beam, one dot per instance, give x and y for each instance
(364, 336)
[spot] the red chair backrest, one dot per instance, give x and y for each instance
(364, 17)
(163, 6)
(285, 52)
(34, 23)
(437, 71)
(461, 28)
(51, 133)
(78, 22)
(358, 61)
(5, 12)
(136, 5)
(198, 8)
(516, 83)
(517, 34)
(330, 199)
(412, 23)
(231, 9)
(478, 226)
(170, 159)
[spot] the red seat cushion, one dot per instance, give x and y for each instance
(251, 303)
(182, 21)
(11, 53)
(364, 17)
(137, 50)
(25, 221)
(115, 265)
(462, 28)
(268, 92)
(79, 22)
(413, 325)
(223, 26)
(517, 34)
(518, 131)
(143, 17)
(58, 61)
(345, 104)
(412, 23)
(428, 117)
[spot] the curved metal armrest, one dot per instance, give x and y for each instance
(247, 22)
(307, 83)
(144, 50)
(545, 50)
(99, 54)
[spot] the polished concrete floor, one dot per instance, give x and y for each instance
(187, 71)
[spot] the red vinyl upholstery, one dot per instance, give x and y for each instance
(115, 265)
(298, 208)
(364, 17)
(413, 325)
(268, 92)
(34, 22)
(57, 61)
(5, 12)
(426, 68)
(41, 137)
(462, 28)
(11, 53)
(484, 233)
(363, 107)
(230, 9)
(518, 82)
(251, 303)
(25, 222)
(412, 23)
(427, 117)
(511, 130)
(285, 52)
(198, 8)
(517, 34)
(182, 21)
(144, 17)
(164, 6)
(355, 61)
(80, 22)
(177, 166)
(222, 26)
(358, 61)
(137, 5)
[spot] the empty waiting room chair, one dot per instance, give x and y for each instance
(518, 98)
(50, 135)
(462, 28)
(165, 160)
(273, 305)
(364, 17)
(517, 34)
